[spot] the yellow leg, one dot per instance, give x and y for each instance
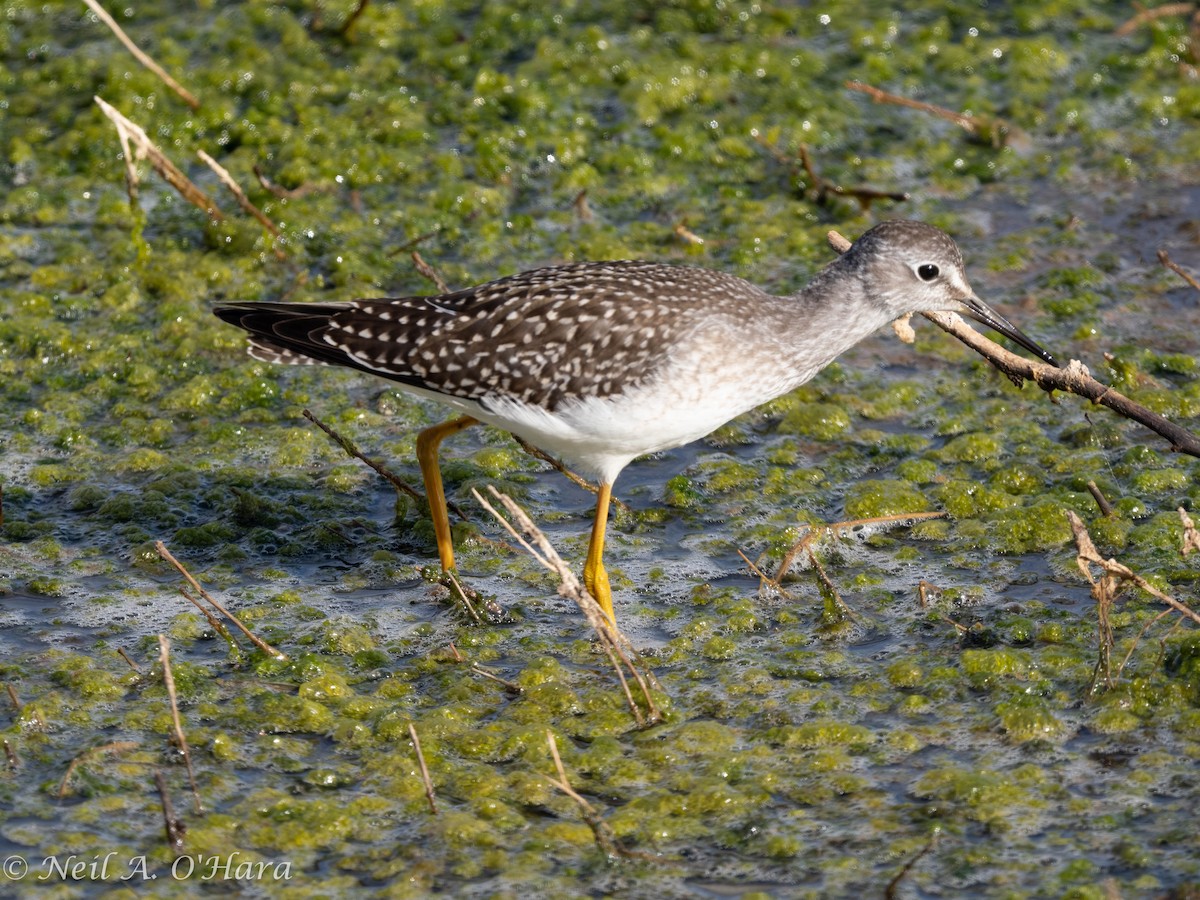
(428, 442)
(595, 579)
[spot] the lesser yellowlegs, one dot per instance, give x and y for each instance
(599, 363)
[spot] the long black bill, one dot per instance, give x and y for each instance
(981, 312)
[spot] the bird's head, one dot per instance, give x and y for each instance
(913, 267)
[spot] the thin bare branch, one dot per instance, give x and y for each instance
(1145, 15)
(615, 644)
(1106, 508)
(164, 658)
(993, 129)
(87, 756)
(135, 144)
(255, 639)
(1183, 273)
(240, 195)
(141, 57)
(401, 486)
(430, 272)
(416, 742)
(173, 825)
(1074, 378)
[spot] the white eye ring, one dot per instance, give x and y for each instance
(927, 271)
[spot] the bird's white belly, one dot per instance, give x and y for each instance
(602, 435)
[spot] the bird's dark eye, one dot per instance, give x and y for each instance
(927, 271)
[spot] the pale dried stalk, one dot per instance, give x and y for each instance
(255, 639)
(143, 148)
(164, 657)
(239, 195)
(1113, 569)
(141, 57)
(615, 644)
(416, 742)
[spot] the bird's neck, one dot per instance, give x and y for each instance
(826, 319)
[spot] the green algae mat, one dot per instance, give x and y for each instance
(907, 707)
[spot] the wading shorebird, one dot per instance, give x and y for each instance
(599, 363)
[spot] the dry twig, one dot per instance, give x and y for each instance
(614, 643)
(174, 826)
(1145, 15)
(1179, 270)
(254, 639)
(992, 129)
(605, 839)
(1191, 537)
(1074, 379)
(141, 57)
(240, 195)
(559, 466)
(1113, 576)
(820, 187)
(890, 892)
(164, 657)
(279, 190)
(416, 742)
(686, 235)
(1106, 508)
(401, 486)
(135, 144)
(430, 272)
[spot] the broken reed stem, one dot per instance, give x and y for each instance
(255, 639)
(1149, 15)
(831, 588)
(616, 646)
(416, 742)
(993, 128)
(141, 57)
(1089, 554)
(1177, 269)
(213, 622)
(559, 466)
(240, 195)
(401, 486)
(430, 272)
(1105, 590)
(606, 840)
(1191, 537)
(173, 825)
(1106, 508)
(510, 686)
(1074, 379)
(834, 529)
(164, 657)
(128, 661)
(819, 187)
(143, 148)
(889, 892)
(462, 595)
